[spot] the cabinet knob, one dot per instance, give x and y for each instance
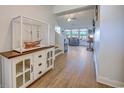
(40, 72)
(40, 64)
(40, 56)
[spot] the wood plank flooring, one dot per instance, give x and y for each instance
(74, 69)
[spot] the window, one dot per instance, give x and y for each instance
(68, 33)
(83, 34)
(75, 33)
(58, 29)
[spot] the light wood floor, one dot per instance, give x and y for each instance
(74, 69)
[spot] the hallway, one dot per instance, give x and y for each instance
(72, 70)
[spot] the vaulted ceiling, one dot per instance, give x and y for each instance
(80, 19)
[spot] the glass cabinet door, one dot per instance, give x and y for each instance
(49, 58)
(27, 71)
(19, 67)
(27, 76)
(27, 63)
(51, 62)
(23, 73)
(51, 53)
(47, 63)
(48, 55)
(19, 81)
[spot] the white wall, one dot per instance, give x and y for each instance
(9, 12)
(59, 39)
(111, 63)
(97, 43)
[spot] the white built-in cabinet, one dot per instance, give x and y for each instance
(21, 71)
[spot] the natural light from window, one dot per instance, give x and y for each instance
(76, 33)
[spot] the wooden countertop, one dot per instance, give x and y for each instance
(13, 53)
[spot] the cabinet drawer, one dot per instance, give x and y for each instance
(40, 65)
(39, 57)
(40, 54)
(38, 72)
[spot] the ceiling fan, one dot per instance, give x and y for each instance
(71, 19)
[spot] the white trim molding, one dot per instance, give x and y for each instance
(110, 82)
(96, 67)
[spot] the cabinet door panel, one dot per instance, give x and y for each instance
(28, 73)
(19, 67)
(27, 76)
(19, 81)
(22, 74)
(27, 63)
(50, 59)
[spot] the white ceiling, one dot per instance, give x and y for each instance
(83, 19)
(62, 8)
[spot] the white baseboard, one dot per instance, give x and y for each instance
(96, 67)
(110, 82)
